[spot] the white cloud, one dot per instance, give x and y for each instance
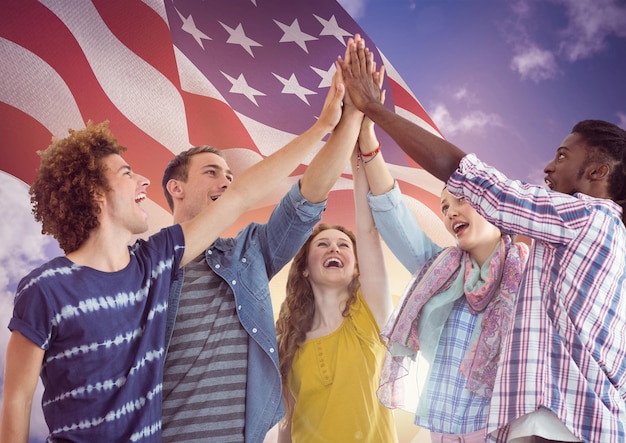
(535, 63)
(23, 245)
(23, 248)
(621, 122)
(473, 121)
(590, 23)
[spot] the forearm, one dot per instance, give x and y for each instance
(15, 422)
(436, 155)
(326, 167)
(373, 274)
(261, 178)
(252, 185)
(379, 178)
(22, 367)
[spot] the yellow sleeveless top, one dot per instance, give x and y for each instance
(334, 380)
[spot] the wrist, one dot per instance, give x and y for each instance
(365, 158)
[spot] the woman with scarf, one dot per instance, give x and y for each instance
(456, 310)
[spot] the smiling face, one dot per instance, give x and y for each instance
(127, 189)
(473, 233)
(208, 178)
(331, 259)
(566, 172)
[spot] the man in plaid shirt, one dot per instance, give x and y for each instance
(562, 376)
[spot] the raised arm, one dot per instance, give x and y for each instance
(394, 221)
(372, 270)
(438, 156)
(331, 160)
(22, 367)
(259, 180)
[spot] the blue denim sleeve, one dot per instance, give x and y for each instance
(400, 230)
(290, 224)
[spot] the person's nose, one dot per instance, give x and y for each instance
(549, 167)
(143, 181)
(452, 212)
(225, 182)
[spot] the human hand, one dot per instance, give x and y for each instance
(331, 111)
(358, 70)
(348, 105)
(368, 124)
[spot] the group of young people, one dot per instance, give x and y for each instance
(173, 338)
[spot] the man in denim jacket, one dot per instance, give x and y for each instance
(221, 378)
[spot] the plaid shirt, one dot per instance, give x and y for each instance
(446, 384)
(567, 349)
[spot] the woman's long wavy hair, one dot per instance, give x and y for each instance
(296, 312)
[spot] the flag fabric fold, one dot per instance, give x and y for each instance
(244, 76)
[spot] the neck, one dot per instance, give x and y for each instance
(329, 306)
(102, 253)
(482, 254)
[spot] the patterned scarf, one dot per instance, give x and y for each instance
(493, 295)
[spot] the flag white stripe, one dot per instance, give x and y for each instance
(140, 92)
(34, 87)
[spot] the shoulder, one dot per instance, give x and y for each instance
(59, 266)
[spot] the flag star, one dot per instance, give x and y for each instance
(189, 26)
(292, 33)
(291, 86)
(326, 76)
(238, 37)
(331, 27)
(240, 86)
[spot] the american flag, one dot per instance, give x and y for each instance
(245, 76)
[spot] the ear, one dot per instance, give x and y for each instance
(305, 273)
(175, 189)
(98, 195)
(598, 171)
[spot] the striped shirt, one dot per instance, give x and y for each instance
(567, 349)
(204, 387)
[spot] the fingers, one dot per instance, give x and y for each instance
(339, 71)
(370, 65)
(360, 54)
(337, 89)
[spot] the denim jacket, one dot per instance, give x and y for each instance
(248, 262)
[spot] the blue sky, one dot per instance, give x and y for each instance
(504, 79)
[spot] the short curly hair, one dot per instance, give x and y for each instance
(70, 173)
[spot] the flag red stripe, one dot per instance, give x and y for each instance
(143, 31)
(213, 122)
(405, 100)
(22, 136)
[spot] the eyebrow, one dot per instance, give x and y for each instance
(125, 168)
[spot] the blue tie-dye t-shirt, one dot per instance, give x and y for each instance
(102, 333)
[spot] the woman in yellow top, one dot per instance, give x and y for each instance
(328, 329)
